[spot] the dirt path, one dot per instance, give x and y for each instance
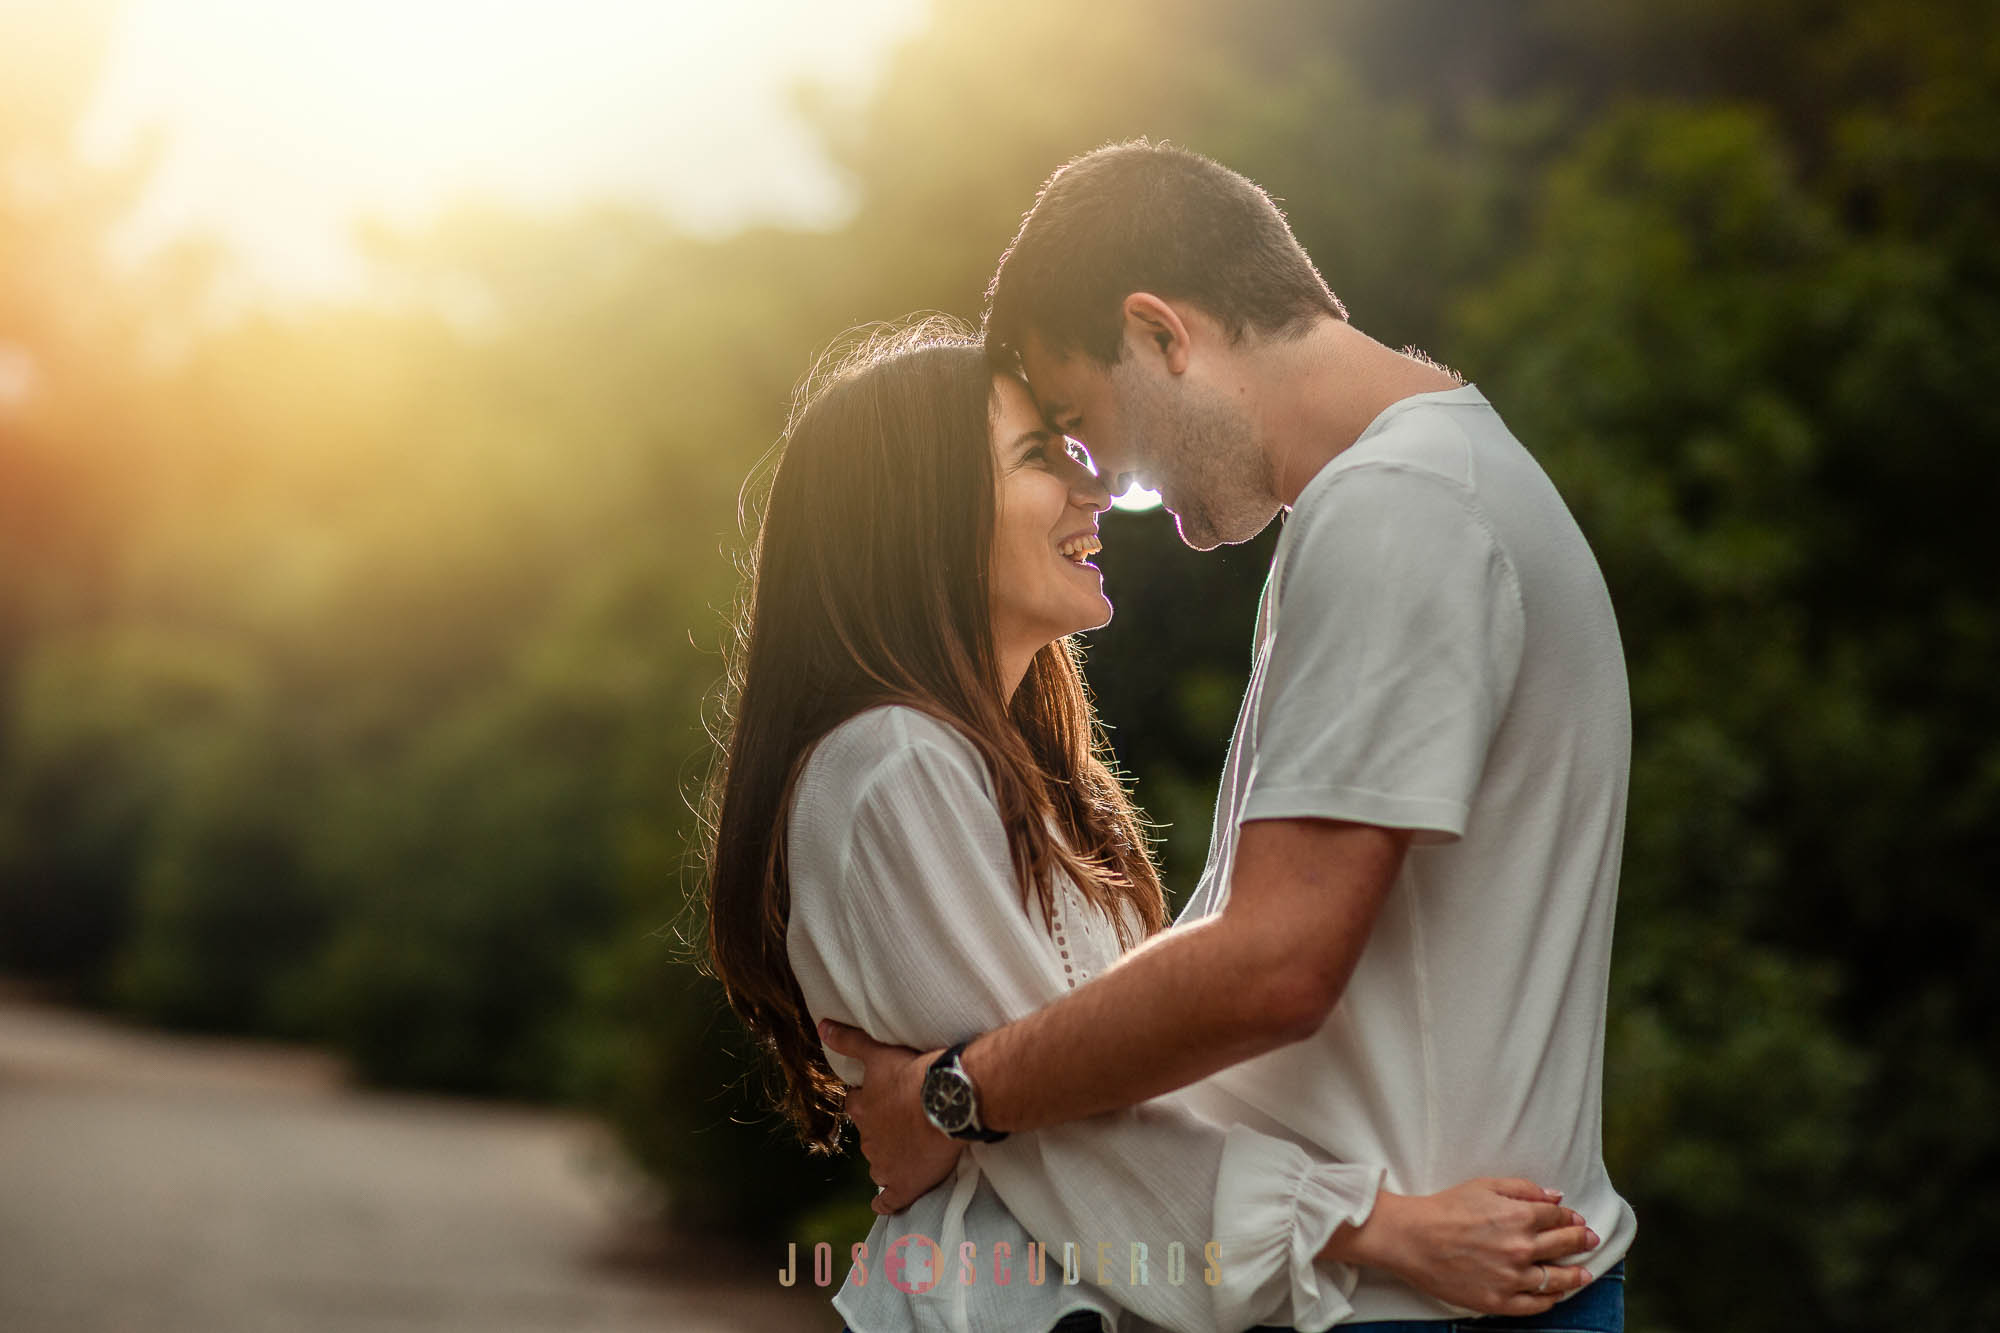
(160, 1184)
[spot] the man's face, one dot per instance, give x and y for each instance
(1172, 432)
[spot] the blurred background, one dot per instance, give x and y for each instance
(376, 383)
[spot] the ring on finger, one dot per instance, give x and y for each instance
(1543, 1285)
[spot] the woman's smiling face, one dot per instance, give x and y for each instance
(1046, 503)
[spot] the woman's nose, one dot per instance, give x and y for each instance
(1089, 491)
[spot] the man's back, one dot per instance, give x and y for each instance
(1437, 652)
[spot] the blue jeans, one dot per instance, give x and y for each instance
(1598, 1308)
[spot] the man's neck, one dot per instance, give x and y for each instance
(1320, 391)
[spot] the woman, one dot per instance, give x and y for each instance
(913, 831)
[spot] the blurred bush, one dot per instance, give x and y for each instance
(124, 744)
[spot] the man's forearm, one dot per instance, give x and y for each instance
(1187, 1003)
(1264, 972)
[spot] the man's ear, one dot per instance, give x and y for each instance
(1156, 325)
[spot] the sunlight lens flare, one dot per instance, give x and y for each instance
(283, 121)
(1136, 499)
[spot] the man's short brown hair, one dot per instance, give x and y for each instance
(1148, 217)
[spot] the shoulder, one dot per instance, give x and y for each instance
(1421, 450)
(1418, 464)
(1397, 518)
(891, 742)
(1389, 509)
(866, 769)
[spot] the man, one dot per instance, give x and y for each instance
(1400, 946)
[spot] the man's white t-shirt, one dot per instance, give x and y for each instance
(1436, 651)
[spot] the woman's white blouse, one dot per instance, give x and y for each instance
(906, 921)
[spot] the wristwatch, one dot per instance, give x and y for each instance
(951, 1102)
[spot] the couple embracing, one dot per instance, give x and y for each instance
(1357, 1083)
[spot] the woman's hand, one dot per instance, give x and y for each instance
(1486, 1245)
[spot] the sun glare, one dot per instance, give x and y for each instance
(1136, 498)
(285, 119)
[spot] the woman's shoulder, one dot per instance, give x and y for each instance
(889, 735)
(886, 740)
(878, 755)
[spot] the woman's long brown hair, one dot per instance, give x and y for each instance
(868, 584)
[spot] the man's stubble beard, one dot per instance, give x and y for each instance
(1205, 460)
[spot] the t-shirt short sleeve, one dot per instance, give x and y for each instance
(1396, 641)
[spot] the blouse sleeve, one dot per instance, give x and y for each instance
(1187, 1223)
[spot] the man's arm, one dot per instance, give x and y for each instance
(1262, 973)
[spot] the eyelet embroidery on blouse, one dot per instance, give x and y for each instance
(1091, 947)
(1060, 930)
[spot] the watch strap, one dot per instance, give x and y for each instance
(975, 1132)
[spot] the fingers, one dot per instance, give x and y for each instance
(1526, 1190)
(1564, 1279)
(888, 1204)
(860, 1113)
(887, 1201)
(1551, 1217)
(851, 1042)
(1561, 1241)
(1525, 1305)
(1535, 1295)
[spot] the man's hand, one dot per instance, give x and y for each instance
(907, 1155)
(1486, 1245)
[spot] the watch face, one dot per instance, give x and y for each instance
(948, 1099)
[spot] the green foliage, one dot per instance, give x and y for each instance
(471, 879)
(117, 734)
(479, 866)
(353, 659)
(225, 921)
(1682, 342)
